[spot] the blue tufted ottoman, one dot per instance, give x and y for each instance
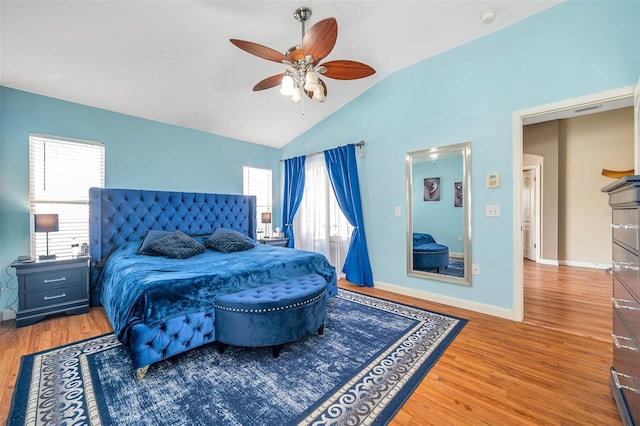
(272, 315)
(430, 256)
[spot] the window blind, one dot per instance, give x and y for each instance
(61, 171)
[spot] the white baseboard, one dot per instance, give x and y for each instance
(585, 264)
(592, 265)
(7, 315)
(446, 300)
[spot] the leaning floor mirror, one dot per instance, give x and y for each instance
(438, 213)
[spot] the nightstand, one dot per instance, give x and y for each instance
(278, 242)
(51, 287)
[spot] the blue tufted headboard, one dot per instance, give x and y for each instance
(120, 215)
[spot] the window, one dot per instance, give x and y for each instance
(319, 224)
(61, 172)
(258, 182)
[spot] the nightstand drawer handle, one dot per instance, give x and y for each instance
(615, 375)
(57, 280)
(619, 346)
(55, 297)
(617, 305)
(624, 226)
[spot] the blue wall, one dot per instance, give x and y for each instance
(465, 94)
(139, 154)
(469, 94)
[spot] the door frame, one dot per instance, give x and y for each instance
(537, 206)
(518, 119)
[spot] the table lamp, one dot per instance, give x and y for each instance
(266, 219)
(46, 223)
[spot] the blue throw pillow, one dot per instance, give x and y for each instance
(228, 241)
(152, 235)
(176, 245)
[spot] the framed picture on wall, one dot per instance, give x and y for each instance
(457, 194)
(432, 189)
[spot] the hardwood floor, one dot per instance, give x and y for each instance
(551, 369)
(572, 300)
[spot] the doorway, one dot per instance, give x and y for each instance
(531, 212)
(611, 99)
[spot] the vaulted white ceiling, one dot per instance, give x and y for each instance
(171, 61)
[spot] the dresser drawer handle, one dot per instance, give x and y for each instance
(617, 305)
(625, 265)
(619, 346)
(56, 280)
(624, 226)
(55, 297)
(615, 375)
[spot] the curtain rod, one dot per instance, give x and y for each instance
(357, 144)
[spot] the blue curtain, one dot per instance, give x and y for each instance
(343, 172)
(293, 190)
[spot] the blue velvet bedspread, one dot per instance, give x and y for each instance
(135, 288)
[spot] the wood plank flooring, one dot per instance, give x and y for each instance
(573, 300)
(551, 369)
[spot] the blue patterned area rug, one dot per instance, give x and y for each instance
(372, 355)
(454, 269)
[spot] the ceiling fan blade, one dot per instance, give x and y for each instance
(269, 82)
(320, 39)
(260, 50)
(347, 70)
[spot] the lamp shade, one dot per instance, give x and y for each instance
(46, 222)
(266, 217)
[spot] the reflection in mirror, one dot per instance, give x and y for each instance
(438, 213)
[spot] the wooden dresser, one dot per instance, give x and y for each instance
(624, 199)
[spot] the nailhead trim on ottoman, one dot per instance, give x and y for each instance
(430, 256)
(272, 315)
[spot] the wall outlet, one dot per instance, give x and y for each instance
(397, 211)
(475, 269)
(459, 237)
(492, 210)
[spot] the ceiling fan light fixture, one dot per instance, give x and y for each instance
(287, 88)
(318, 94)
(310, 81)
(297, 95)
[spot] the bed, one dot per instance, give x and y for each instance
(158, 306)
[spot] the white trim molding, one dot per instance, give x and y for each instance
(591, 265)
(519, 117)
(446, 300)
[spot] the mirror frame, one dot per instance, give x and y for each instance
(465, 150)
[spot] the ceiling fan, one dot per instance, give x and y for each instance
(303, 61)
